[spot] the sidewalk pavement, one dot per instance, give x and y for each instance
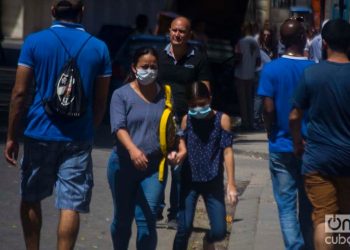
(256, 224)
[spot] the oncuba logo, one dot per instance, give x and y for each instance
(337, 223)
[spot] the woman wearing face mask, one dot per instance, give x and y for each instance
(135, 112)
(208, 140)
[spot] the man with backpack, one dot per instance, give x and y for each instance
(71, 71)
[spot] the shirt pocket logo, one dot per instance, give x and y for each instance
(189, 66)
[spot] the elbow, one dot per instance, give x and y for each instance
(268, 113)
(294, 119)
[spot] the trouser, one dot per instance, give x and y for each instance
(136, 194)
(244, 90)
(294, 208)
(213, 195)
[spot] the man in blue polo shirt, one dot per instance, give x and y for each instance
(278, 81)
(57, 153)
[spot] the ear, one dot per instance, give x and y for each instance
(324, 44)
(53, 11)
(133, 68)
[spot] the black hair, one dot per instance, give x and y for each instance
(336, 33)
(143, 51)
(67, 10)
(141, 21)
(198, 90)
(135, 59)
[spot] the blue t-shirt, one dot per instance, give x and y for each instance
(279, 80)
(140, 118)
(206, 141)
(325, 91)
(43, 52)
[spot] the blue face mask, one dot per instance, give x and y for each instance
(200, 112)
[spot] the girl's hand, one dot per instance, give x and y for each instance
(176, 158)
(180, 156)
(232, 195)
(138, 158)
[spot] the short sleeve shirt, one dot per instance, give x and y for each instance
(250, 51)
(324, 91)
(206, 141)
(278, 80)
(43, 52)
(140, 118)
(315, 49)
(181, 74)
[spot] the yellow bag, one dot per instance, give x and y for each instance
(167, 131)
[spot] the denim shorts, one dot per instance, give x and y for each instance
(67, 166)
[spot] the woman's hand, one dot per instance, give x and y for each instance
(172, 158)
(232, 195)
(138, 158)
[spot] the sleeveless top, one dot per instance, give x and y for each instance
(206, 141)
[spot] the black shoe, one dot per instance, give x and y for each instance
(172, 224)
(160, 216)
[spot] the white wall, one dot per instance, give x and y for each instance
(12, 18)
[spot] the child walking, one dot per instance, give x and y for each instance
(208, 141)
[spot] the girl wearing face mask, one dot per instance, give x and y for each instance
(208, 140)
(135, 113)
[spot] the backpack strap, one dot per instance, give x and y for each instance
(167, 113)
(65, 48)
(69, 54)
(168, 102)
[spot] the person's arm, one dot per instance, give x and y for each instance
(182, 153)
(295, 119)
(100, 99)
(269, 115)
(176, 158)
(138, 158)
(119, 128)
(204, 73)
(24, 78)
(229, 163)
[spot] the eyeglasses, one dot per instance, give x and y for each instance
(297, 18)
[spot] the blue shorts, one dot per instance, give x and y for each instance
(67, 166)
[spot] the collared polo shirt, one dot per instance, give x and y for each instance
(181, 74)
(45, 55)
(278, 80)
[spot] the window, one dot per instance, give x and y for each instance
(283, 3)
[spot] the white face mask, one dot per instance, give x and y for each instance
(146, 76)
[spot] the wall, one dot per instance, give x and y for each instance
(12, 18)
(21, 17)
(122, 12)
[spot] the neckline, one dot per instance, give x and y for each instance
(139, 94)
(295, 57)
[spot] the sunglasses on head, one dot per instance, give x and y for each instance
(297, 18)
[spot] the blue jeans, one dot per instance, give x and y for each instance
(136, 194)
(213, 195)
(289, 193)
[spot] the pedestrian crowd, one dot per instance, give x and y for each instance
(162, 119)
